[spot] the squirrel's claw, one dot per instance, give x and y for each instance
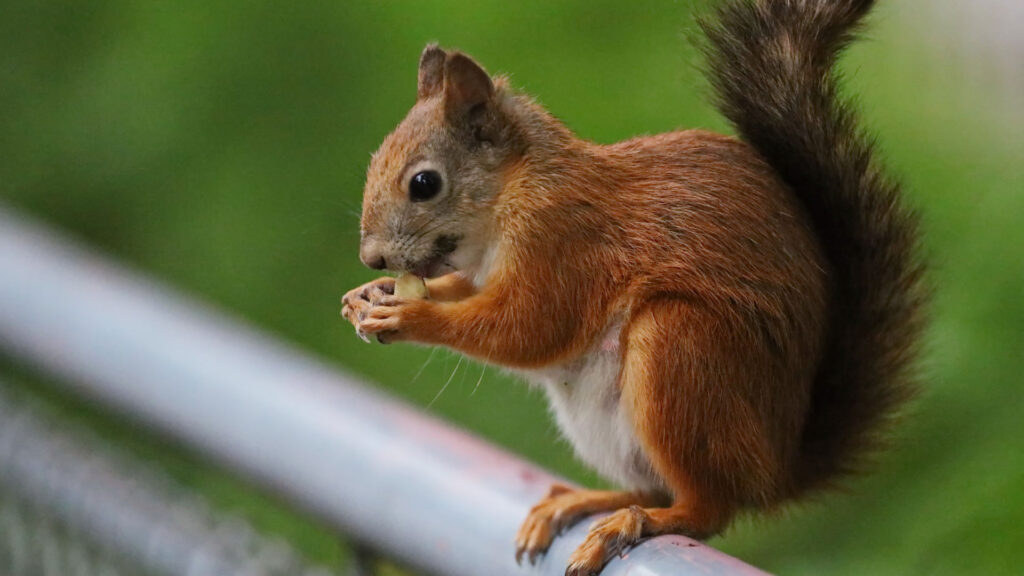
(607, 539)
(358, 303)
(534, 537)
(546, 520)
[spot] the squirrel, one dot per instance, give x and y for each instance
(722, 324)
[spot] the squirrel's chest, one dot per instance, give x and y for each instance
(585, 399)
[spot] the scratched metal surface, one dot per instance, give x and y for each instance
(410, 486)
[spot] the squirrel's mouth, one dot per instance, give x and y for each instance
(437, 263)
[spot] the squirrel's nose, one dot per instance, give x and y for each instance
(371, 255)
(379, 264)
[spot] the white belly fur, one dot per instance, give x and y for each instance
(586, 402)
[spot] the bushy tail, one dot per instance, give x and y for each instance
(771, 65)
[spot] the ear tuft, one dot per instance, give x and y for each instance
(467, 84)
(431, 75)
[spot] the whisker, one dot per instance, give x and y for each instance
(445, 387)
(419, 235)
(426, 223)
(483, 369)
(424, 366)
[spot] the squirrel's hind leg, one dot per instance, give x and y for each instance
(694, 414)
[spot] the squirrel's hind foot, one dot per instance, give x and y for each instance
(612, 535)
(564, 507)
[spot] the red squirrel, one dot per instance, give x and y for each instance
(721, 324)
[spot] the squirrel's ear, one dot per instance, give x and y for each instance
(431, 76)
(467, 85)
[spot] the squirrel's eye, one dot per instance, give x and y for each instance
(424, 186)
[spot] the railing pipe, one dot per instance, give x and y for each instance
(406, 484)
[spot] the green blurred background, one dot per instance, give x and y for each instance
(221, 147)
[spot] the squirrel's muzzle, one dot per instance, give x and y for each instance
(372, 254)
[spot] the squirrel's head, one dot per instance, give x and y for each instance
(430, 189)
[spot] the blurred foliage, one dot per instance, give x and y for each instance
(221, 147)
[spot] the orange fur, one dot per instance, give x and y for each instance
(453, 286)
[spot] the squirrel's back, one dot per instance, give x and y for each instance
(708, 216)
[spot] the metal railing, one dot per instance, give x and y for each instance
(72, 506)
(402, 483)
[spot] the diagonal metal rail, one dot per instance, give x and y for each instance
(399, 481)
(71, 506)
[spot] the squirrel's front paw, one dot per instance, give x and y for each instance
(357, 303)
(393, 319)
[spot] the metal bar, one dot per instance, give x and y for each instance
(406, 484)
(68, 491)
